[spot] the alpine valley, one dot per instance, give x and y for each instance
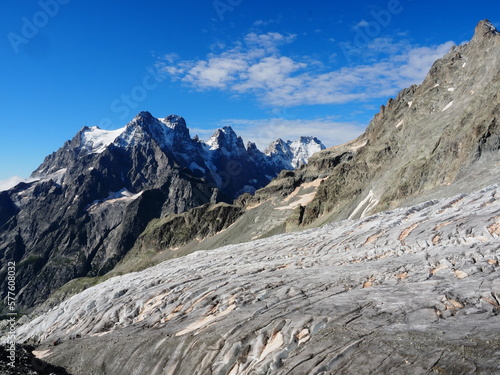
(145, 251)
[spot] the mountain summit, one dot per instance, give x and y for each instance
(291, 155)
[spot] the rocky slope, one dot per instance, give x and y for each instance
(410, 291)
(93, 197)
(26, 363)
(437, 138)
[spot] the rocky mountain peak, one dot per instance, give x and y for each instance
(176, 123)
(226, 138)
(143, 125)
(251, 146)
(277, 146)
(144, 115)
(143, 120)
(292, 155)
(484, 31)
(308, 140)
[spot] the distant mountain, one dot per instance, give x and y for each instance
(290, 155)
(223, 160)
(90, 200)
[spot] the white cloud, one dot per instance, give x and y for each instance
(362, 23)
(217, 72)
(262, 132)
(263, 23)
(10, 182)
(256, 66)
(235, 65)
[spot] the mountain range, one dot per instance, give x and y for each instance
(89, 201)
(376, 256)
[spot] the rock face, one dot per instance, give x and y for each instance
(26, 363)
(414, 290)
(452, 120)
(178, 230)
(94, 197)
(438, 138)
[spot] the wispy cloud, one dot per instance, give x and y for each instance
(255, 65)
(362, 23)
(262, 23)
(10, 182)
(263, 131)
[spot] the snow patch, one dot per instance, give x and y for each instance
(122, 195)
(96, 140)
(451, 89)
(448, 106)
(304, 201)
(369, 202)
(409, 104)
(56, 176)
(399, 124)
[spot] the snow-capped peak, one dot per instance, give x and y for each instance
(293, 154)
(175, 122)
(225, 138)
(303, 149)
(163, 131)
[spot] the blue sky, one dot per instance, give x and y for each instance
(268, 69)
